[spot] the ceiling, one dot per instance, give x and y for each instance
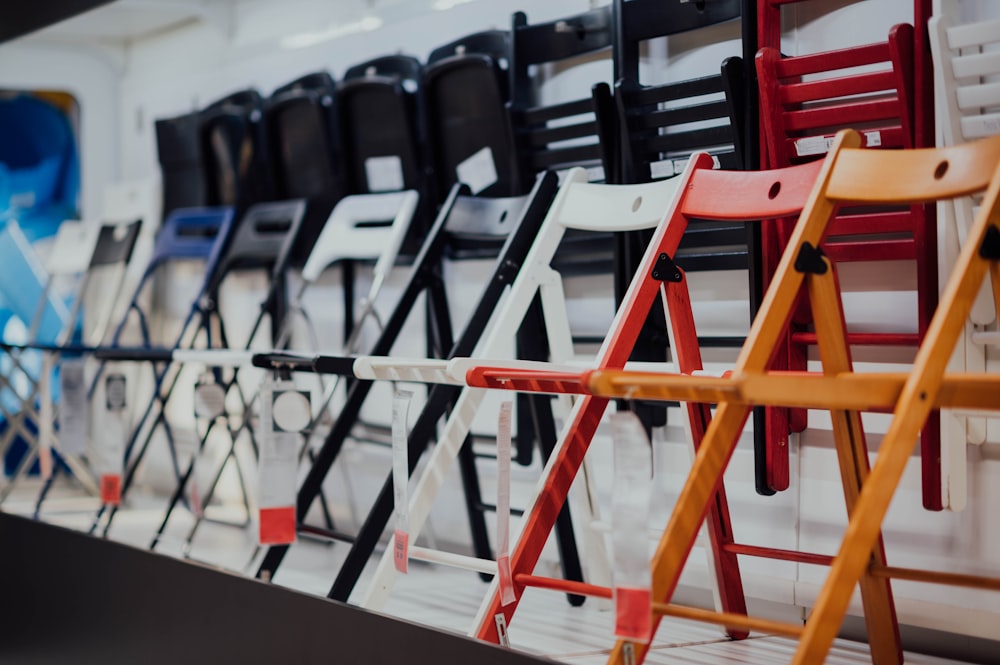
(122, 22)
(125, 21)
(21, 18)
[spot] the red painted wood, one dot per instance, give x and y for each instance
(903, 114)
(534, 381)
(780, 555)
(566, 586)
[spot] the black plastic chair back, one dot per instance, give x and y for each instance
(178, 149)
(566, 134)
(263, 240)
(660, 127)
(306, 160)
(234, 146)
(468, 126)
(115, 243)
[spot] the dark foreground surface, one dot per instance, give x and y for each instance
(66, 597)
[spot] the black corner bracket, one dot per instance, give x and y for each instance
(990, 249)
(810, 260)
(665, 270)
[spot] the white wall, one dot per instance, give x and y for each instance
(188, 68)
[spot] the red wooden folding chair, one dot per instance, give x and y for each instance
(804, 100)
(704, 194)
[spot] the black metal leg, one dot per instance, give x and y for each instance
(474, 504)
(424, 430)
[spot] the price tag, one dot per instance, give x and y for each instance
(873, 139)
(278, 431)
(505, 579)
(111, 442)
(478, 171)
(630, 519)
(401, 479)
(813, 145)
(384, 174)
(73, 411)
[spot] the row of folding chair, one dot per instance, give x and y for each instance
(561, 33)
(433, 372)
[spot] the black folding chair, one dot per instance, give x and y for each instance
(660, 126)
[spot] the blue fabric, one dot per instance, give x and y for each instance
(39, 166)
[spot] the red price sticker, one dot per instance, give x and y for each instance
(633, 614)
(277, 526)
(111, 489)
(401, 550)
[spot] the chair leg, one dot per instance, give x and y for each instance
(474, 504)
(909, 417)
(852, 454)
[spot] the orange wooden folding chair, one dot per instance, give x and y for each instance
(848, 176)
(704, 194)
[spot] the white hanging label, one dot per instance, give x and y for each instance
(401, 479)
(209, 397)
(73, 412)
(630, 519)
(280, 404)
(384, 174)
(478, 171)
(111, 453)
(813, 145)
(505, 579)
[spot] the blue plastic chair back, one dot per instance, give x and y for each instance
(192, 233)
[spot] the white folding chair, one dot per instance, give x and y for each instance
(581, 206)
(967, 89)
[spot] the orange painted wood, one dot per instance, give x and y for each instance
(729, 620)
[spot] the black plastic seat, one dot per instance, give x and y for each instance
(178, 149)
(470, 139)
(305, 152)
(234, 147)
(379, 105)
(558, 136)
(378, 102)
